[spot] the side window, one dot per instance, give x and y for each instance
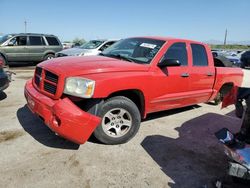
(106, 45)
(199, 55)
(177, 51)
(36, 41)
(19, 41)
(52, 41)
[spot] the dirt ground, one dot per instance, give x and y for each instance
(175, 148)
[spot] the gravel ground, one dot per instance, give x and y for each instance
(175, 148)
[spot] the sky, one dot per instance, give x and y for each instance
(201, 20)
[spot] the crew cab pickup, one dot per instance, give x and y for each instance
(109, 94)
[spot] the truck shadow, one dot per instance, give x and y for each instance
(160, 114)
(40, 132)
(195, 158)
(22, 64)
(3, 95)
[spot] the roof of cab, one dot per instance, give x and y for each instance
(168, 39)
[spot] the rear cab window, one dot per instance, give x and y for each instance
(52, 41)
(199, 55)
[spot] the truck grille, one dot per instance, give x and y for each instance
(46, 80)
(49, 87)
(51, 77)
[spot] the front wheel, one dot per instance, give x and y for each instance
(48, 56)
(120, 121)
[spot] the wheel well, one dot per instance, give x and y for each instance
(226, 88)
(49, 53)
(134, 95)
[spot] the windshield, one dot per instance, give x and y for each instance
(138, 50)
(4, 38)
(92, 44)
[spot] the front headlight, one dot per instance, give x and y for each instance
(80, 87)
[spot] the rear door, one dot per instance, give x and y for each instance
(36, 48)
(202, 73)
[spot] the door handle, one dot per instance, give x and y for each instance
(184, 75)
(210, 74)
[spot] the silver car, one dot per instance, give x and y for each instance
(93, 47)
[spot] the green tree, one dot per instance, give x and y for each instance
(78, 41)
(230, 47)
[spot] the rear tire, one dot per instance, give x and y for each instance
(218, 99)
(120, 120)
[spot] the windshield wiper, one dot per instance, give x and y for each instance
(119, 57)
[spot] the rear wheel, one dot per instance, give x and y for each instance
(48, 56)
(218, 99)
(120, 120)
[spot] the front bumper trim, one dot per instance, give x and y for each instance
(61, 116)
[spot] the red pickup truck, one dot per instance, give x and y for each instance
(109, 94)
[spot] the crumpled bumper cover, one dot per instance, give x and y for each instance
(61, 116)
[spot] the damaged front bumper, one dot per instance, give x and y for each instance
(61, 116)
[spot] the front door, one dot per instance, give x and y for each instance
(172, 82)
(16, 49)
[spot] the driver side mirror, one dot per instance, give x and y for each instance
(169, 63)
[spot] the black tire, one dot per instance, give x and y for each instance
(48, 56)
(116, 106)
(218, 99)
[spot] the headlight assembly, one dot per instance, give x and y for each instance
(80, 87)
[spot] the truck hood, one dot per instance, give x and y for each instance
(75, 66)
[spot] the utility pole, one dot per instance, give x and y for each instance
(25, 26)
(225, 39)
